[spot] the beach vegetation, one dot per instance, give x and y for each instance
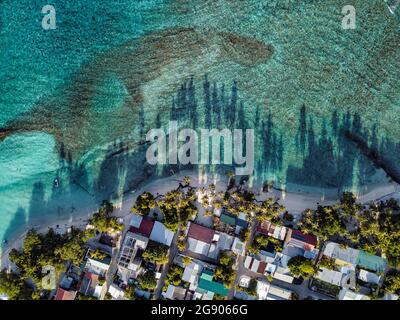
(15, 287)
(144, 204)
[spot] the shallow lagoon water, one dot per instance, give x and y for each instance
(104, 77)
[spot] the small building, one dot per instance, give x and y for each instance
(301, 240)
(343, 256)
(271, 230)
(141, 225)
(346, 294)
(161, 234)
(346, 256)
(371, 262)
(192, 274)
(208, 287)
(175, 293)
(238, 247)
(63, 294)
(368, 277)
(91, 285)
(116, 292)
(199, 239)
(97, 266)
(200, 233)
(255, 265)
(329, 276)
(278, 293)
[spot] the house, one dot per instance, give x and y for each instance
(97, 266)
(228, 219)
(301, 240)
(141, 225)
(232, 223)
(371, 262)
(129, 261)
(329, 276)
(221, 242)
(116, 292)
(199, 239)
(345, 256)
(207, 242)
(175, 293)
(254, 264)
(238, 247)
(270, 230)
(63, 294)
(278, 293)
(192, 274)
(368, 277)
(262, 289)
(161, 234)
(346, 294)
(91, 285)
(207, 287)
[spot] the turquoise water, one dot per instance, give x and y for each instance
(79, 99)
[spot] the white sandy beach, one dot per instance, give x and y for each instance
(295, 203)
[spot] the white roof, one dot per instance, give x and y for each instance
(330, 276)
(192, 272)
(97, 291)
(238, 247)
(255, 265)
(283, 277)
(270, 268)
(262, 290)
(346, 294)
(135, 240)
(368, 277)
(136, 220)
(161, 234)
(247, 262)
(279, 232)
(244, 281)
(278, 293)
(391, 296)
(198, 246)
(335, 251)
(115, 291)
(225, 241)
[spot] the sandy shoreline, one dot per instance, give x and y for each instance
(294, 202)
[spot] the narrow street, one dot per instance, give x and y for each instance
(173, 250)
(240, 263)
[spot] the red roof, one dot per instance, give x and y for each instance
(65, 295)
(306, 238)
(264, 228)
(200, 233)
(145, 228)
(91, 276)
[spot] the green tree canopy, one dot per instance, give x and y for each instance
(148, 281)
(300, 266)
